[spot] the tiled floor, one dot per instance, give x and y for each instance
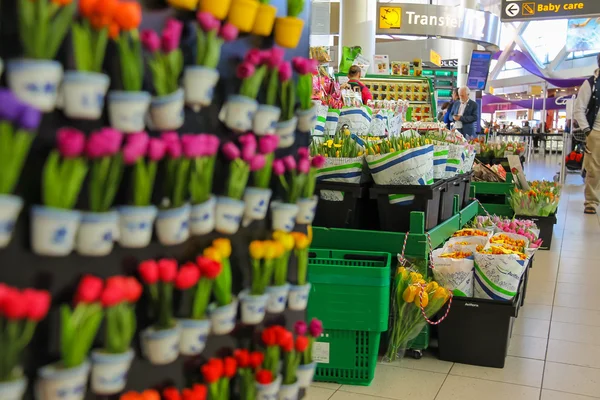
(555, 348)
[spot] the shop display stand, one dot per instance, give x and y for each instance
(21, 268)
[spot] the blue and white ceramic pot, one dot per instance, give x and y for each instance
(202, 218)
(127, 110)
(10, 208)
(228, 215)
(135, 226)
(254, 307)
(36, 82)
(173, 225)
(13, 390)
(307, 119)
(283, 216)
(270, 391)
(194, 334)
(166, 112)
(223, 318)
(257, 204)
(265, 120)
(307, 207)
(305, 374)
(278, 297)
(84, 94)
(199, 84)
(238, 113)
(53, 230)
(286, 131)
(109, 371)
(298, 297)
(161, 347)
(289, 392)
(96, 234)
(56, 383)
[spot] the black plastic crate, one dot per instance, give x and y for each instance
(465, 180)
(396, 217)
(455, 187)
(355, 210)
(546, 226)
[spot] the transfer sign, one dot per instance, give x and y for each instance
(529, 10)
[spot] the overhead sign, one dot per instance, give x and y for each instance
(435, 58)
(460, 23)
(450, 63)
(528, 10)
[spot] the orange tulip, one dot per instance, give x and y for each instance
(62, 2)
(131, 396)
(100, 21)
(113, 30)
(106, 7)
(128, 15)
(150, 395)
(86, 7)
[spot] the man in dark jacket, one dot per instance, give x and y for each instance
(465, 114)
(447, 116)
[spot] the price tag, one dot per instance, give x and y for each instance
(320, 353)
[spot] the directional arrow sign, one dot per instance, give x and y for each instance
(512, 9)
(531, 10)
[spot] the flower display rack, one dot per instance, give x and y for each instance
(494, 192)
(345, 205)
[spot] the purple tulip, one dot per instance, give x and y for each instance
(278, 167)
(11, 107)
(303, 166)
(150, 40)
(315, 328)
(285, 71)
(156, 149)
(289, 162)
(257, 162)
(268, 144)
(70, 142)
(173, 144)
(275, 57)
(318, 161)
(300, 328)
(245, 70)
(30, 118)
(229, 32)
(231, 151)
(207, 21)
(253, 56)
(303, 152)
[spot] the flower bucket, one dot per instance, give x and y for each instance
(202, 217)
(270, 391)
(161, 347)
(55, 383)
(298, 298)
(35, 82)
(53, 230)
(189, 5)
(13, 390)
(109, 371)
(96, 234)
(307, 207)
(238, 113)
(84, 94)
(307, 119)
(242, 14)
(228, 215)
(289, 392)
(278, 297)
(127, 110)
(286, 131)
(173, 225)
(265, 120)
(135, 226)
(254, 307)
(265, 20)
(283, 216)
(217, 8)
(288, 31)
(199, 85)
(194, 333)
(257, 204)
(10, 208)
(223, 319)
(305, 374)
(166, 112)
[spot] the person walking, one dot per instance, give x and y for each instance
(465, 114)
(587, 111)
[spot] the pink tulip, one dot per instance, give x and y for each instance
(253, 56)
(318, 161)
(95, 146)
(289, 162)
(211, 143)
(173, 144)
(268, 144)
(139, 140)
(248, 146)
(278, 167)
(207, 21)
(231, 151)
(285, 71)
(229, 32)
(193, 145)
(275, 57)
(257, 162)
(303, 152)
(300, 65)
(312, 66)
(315, 328)
(133, 152)
(70, 142)
(176, 28)
(245, 70)
(303, 166)
(150, 40)
(168, 42)
(156, 149)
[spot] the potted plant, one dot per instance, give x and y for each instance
(149, 394)
(18, 123)
(265, 19)
(307, 114)
(54, 224)
(78, 329)
(20, 312)
(249, 364)
(279, 290)
(223, 312)
(84, 89)
(196, 392)
(307, 367)
(254, 300)
(202, 218)
(217, 8)
(299, 292)
(257, 197)
(196, 281)
(160, 341)
(111, 363)
(127, 108)
(307, 203)
(283, 213)
(99, 226)
(166, 109)
(172, 223)
(136, 220)
(268, 380)
(35, 78)
(286, 127)
(288, 30)
(267, 115)
(292, 353)
(217, 375)
(199, 80)
(238, 111)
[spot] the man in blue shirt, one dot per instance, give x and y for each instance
(465, 114)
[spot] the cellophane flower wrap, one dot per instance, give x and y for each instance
(411, 292)
(540, 200)
(217, 375)
(103, 149)
(249, 363)
(523, 227)
(166, 62)
(65, 170)
(128, 16)
(20, 313)
(220, 251)
(196, 281)
(210, 38)
(263, 256)
(119, 299)
(178, 168)
(18, 124)
(159, 279)
(143, 154)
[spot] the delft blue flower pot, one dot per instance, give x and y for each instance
(278, 297)
(223, 319)
(265, 120)
(173, 225)
(84, 94)
(307, 207)
(53, 230)
(161, 347)
(96, 233)
(238, 113)
(289, 392)
(270, 391)
(199, 84)
(305, 374)
(10, 208)
(202, 218)
(13, 390)
(307, 119)
(127, 110)
(109, 371)
(228, 215)
(35, 82)
(298, 297)
(166, 112)
(257, 204)
(55, 383)
(135, 226)
(283, 216)
(286, 131)
(194, 333)
(254, 307)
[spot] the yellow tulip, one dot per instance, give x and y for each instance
(279, 249)
(257, 249)
(285, 239)
(301, 240)
(360, 153)
(431, 287)
(414, 277)
(270, 249)
(224, 246)
(441, 293)
(213, 253)
(401, 270)
(409, 294)
(422, 302)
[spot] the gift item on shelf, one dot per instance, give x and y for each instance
(286, 127)
(224, 311)
(278, 289)
(263, 256)
(288, 30)
(265, 19)
(267, 115)
(293, 175)
(307, 366)
(257, 197)
(249, 364)
(202, 149)
(242, 14)
(307, 113)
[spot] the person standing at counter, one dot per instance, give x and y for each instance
(355, 83)
(448, 116)
(465, 114)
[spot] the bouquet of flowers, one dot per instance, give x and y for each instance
(217, 375)
(341, 145)
(249, 364)
(541, 200)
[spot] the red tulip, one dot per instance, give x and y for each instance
(3, 291)
(14, 305)
(213, 370)
(208, 268)
(112, 295)
(200, 391)
(38, 304)
(167, 270)
(187, 277)
(243, 357)
(133, 290)
(264, 377)
(148, 271)
(171, 393)
(269, 337)
(89, 289)
(286, 342)
(256, 359)
(280, 332)
(229, 367)
(301, 344)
